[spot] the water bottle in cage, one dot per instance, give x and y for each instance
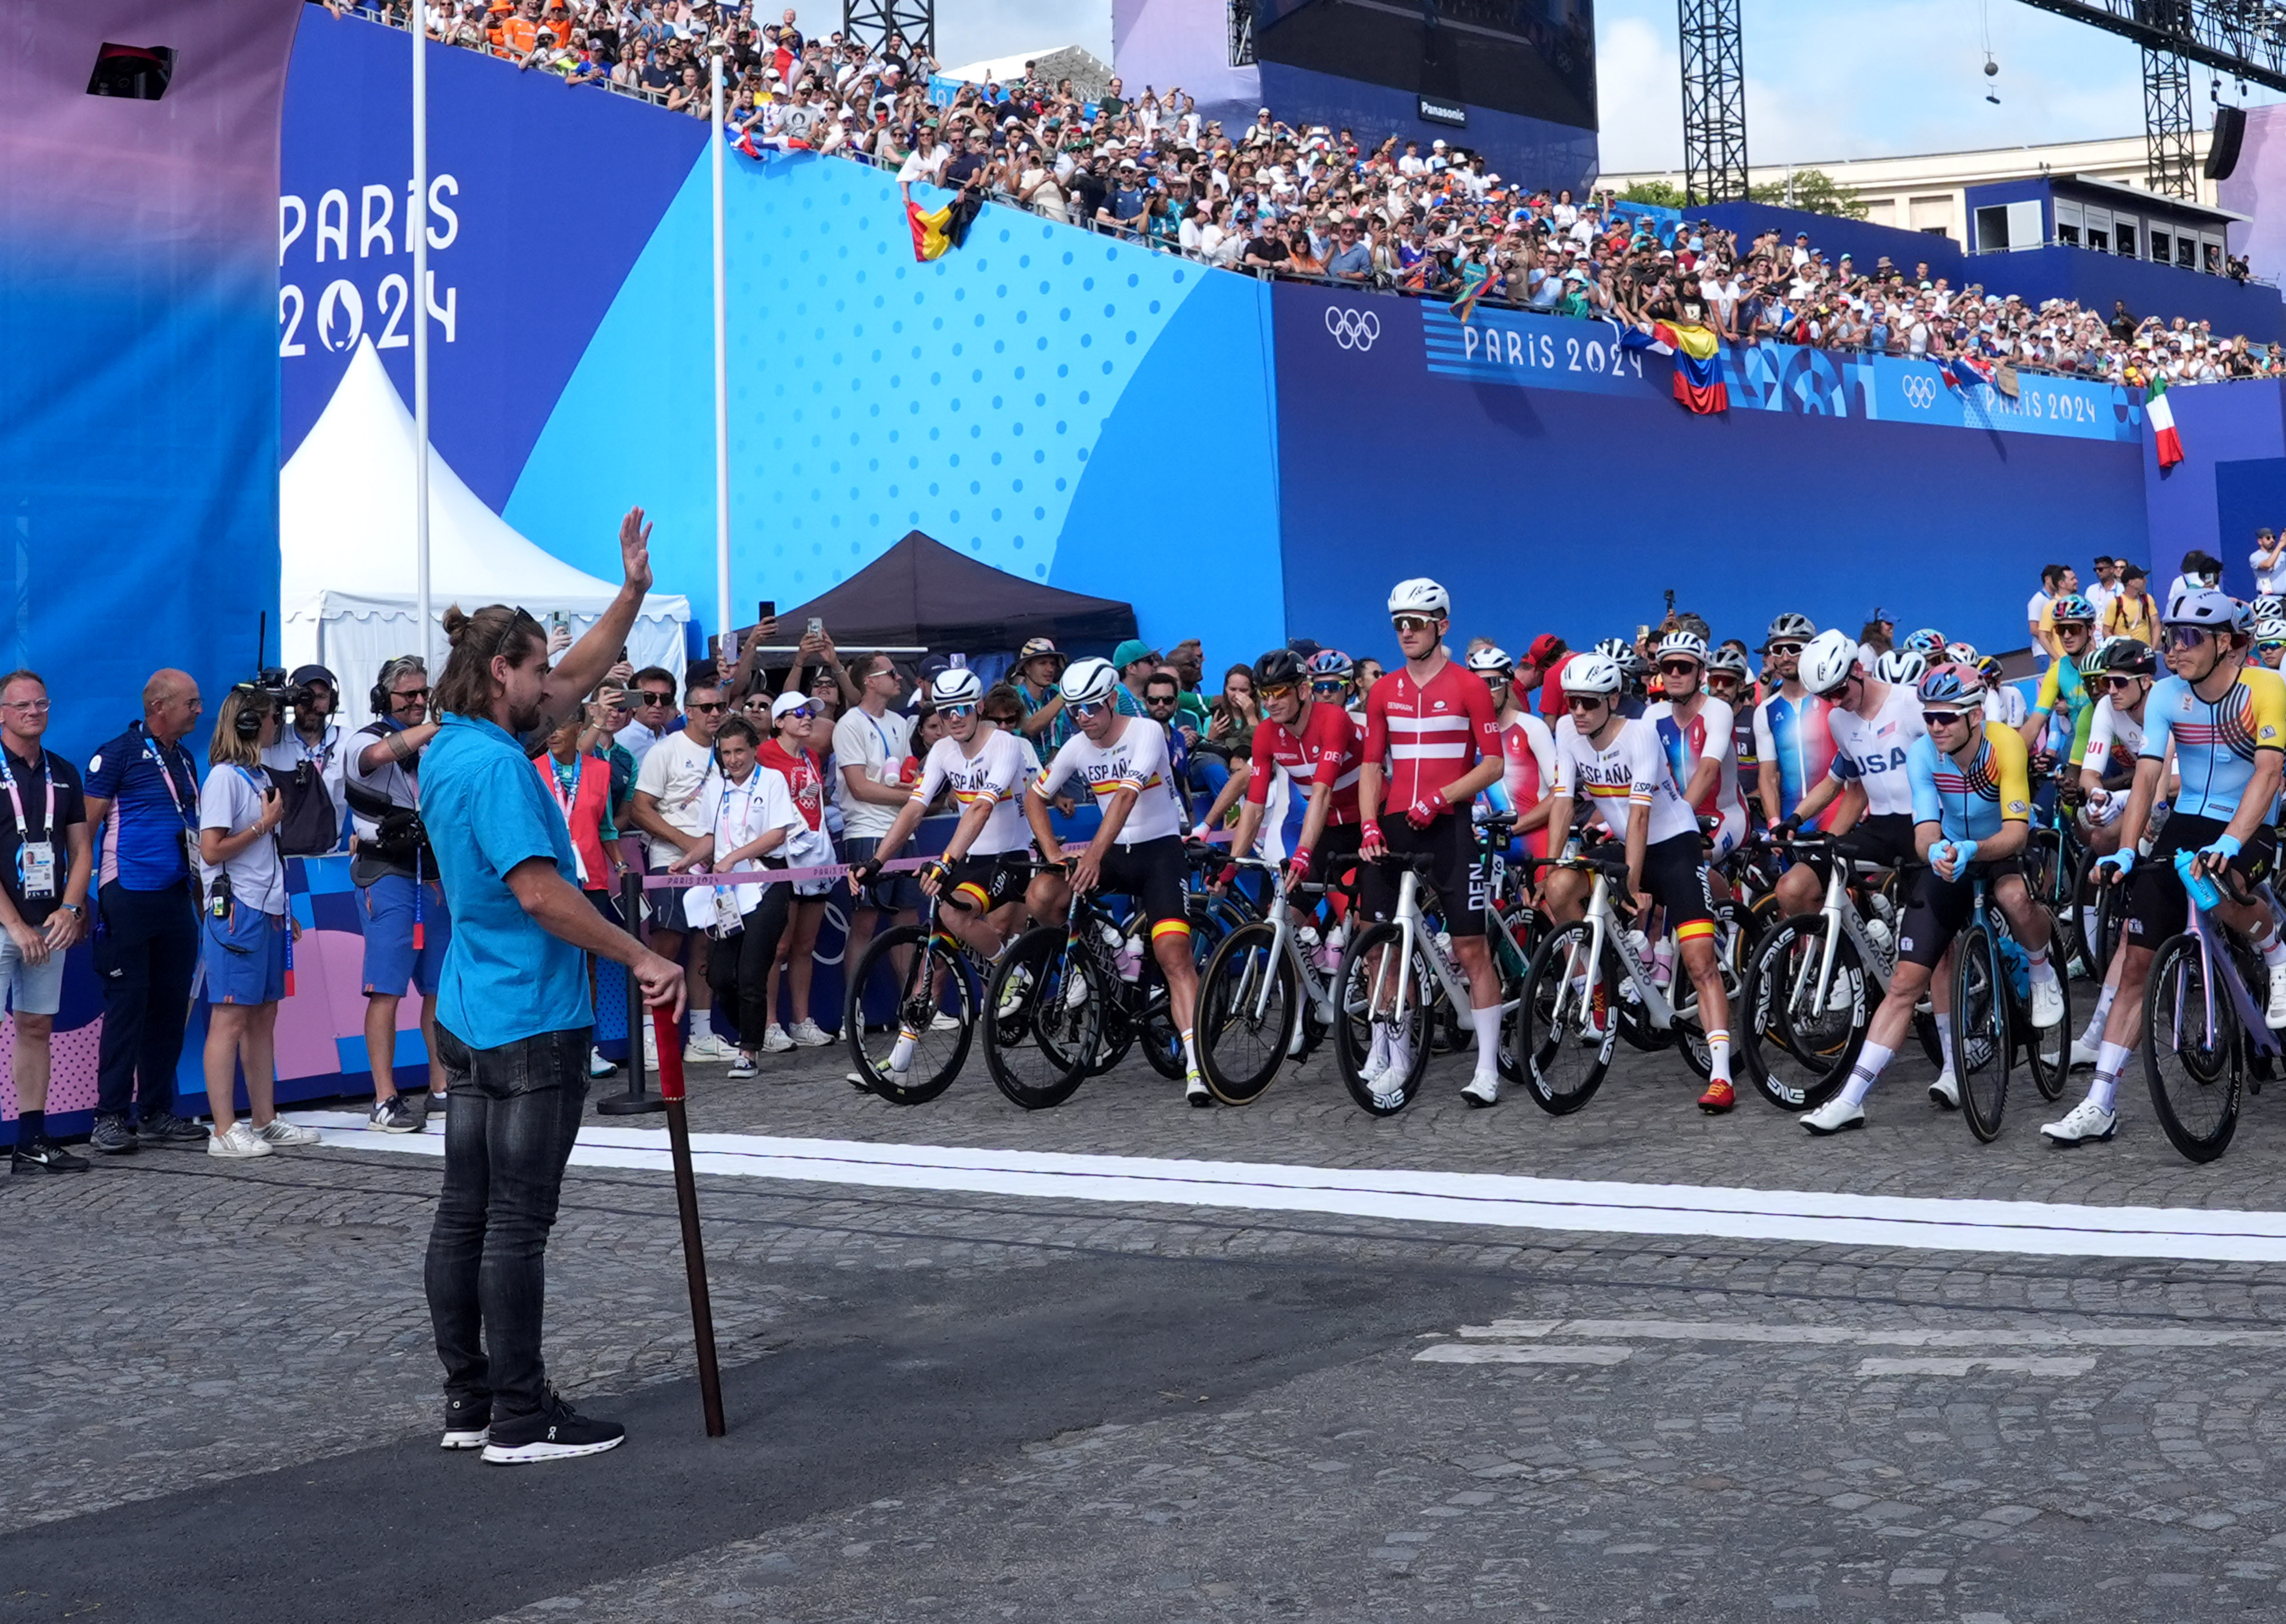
(1329, 954)
(1131, 958)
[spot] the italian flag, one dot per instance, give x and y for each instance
(2162, 413)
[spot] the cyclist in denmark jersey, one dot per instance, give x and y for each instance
(1873, 725)
(1431, 743)
(1138, 849)
(1619, 765)
(1317, 747)
(2225, 718)
(1695, 729)
(1972, 813)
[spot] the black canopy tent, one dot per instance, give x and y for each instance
(922, 594)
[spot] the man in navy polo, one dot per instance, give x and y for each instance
(143, 801)
(514, 1024)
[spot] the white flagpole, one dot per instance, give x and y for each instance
(416, 227)
(722, 621)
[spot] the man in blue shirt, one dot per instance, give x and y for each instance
(143, 799)
(513, 1027)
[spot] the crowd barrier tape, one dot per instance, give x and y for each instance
(824, 870)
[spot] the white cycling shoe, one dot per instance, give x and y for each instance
(1834, 1116)
(2274, 1017)
(1946, 1090)
(2048, 1002)
(2083, 1053)
(1482, 1089)
(2086, 1123)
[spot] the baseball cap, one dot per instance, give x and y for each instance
(1543, 648)
(1036, 649)
(787, 702)
(1127, 653)
(313, 674)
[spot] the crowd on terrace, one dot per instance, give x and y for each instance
(1277, 199)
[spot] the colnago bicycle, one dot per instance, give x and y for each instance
(1588, 981)
(1401, 973)
(2205, 1036)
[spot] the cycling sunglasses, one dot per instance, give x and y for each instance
(1943, 718)
(1274, 691)
(1413, 623)
(2127, 681)
(1785, 648)
(952, 711)
(1677, 667)
(1583, 702)
(2187, 636)
(1088, 707)
(1329, 688)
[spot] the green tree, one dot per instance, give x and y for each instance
(1658, 193)
(1814, 192)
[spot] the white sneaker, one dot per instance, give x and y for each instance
(744, 1068)
(277, 1131)
(2087, 1121)
(241, 1143)
(1833, 1117)
(2048, 1002)
(807, 1034)
(2083, 1053)
(1946, 1090)
(775, 1040)
(597, 1066)
(2274, 1017)
(1482, 1089)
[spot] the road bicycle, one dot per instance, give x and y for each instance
(1992, 1015)
(1401, 973)
(936, 1009)
(1266, 992)
(1588, 981)
(2204, 1034)
(1812, 982)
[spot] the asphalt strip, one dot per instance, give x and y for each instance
(1488, 1200)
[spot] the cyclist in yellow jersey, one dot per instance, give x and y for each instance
(2226, 718)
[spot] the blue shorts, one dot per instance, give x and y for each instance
(390, 961)
(242, 958)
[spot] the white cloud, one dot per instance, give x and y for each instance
(976, 30)
(1639, 95)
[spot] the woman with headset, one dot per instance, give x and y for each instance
(246, 929)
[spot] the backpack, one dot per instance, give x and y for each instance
(312, 824)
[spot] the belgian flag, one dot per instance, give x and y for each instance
(936, 231)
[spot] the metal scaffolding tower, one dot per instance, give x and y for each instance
(1713, 101)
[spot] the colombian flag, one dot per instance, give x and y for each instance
(1698, 362)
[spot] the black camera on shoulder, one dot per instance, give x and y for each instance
(269, 684)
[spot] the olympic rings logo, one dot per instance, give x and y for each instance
(1352, 329)
(1920, 392)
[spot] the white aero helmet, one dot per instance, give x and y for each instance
(1905, 666)
(1419, 597)
(1591, 673)
(1826, 660)
(1087, 680)
(957, 686)
(1490, 661)
(1683, 645)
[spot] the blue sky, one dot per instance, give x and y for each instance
(1825, 78)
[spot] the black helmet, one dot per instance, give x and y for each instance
(2130, 657)
(1278, 668)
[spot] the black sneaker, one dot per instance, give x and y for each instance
(44, 1156)
(468, 1423)
(112, 1137)
(397, 1115)
(554, 1432)
(171, 1132)
(430, 1105)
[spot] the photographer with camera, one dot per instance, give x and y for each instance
(309, 763)
(406, 929)
(245, 929)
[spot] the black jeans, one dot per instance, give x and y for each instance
(516, 1111)
(147, 957)
(739, 967)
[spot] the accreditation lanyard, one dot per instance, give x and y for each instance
(35, 860)
(261, 787)
(731, 832)
(567, 797)
(185, 810)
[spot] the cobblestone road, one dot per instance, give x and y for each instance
(221, 1398)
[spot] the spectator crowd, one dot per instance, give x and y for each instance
(1276, 198)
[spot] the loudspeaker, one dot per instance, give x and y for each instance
(2222, 149)
(140, 72)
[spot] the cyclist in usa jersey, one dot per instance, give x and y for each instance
(1694, 729)
(1873, 724)
(1971, 810)
(2226, 718)
(1430, 743)
(1527, 753)
(1792, 750)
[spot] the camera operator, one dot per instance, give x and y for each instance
(312, 822)
(406, 929)
(44, 885)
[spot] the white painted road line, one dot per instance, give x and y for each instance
(1485, 1199)
(1886, 1336)
(1964, 1367)
(1518, 1353)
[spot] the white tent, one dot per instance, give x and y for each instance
(348, 579)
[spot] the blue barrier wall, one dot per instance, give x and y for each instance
(2241, 428)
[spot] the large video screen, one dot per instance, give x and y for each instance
(1532, 56)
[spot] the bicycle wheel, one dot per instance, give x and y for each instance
(936, 983)
(1379, 989)
(2046, 1050)
(1979, 1029)
(1563, 1055)
(1043, 1031)
(2191, 1050)
(2096, 935)
(2053, 876)
(1247, 1009)
(1795, 1047)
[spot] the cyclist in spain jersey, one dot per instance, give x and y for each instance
(1971, 810)
(2225, 718)
(1618, 764)
(1695, 729)
(1432, 742)
(1137, 849)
